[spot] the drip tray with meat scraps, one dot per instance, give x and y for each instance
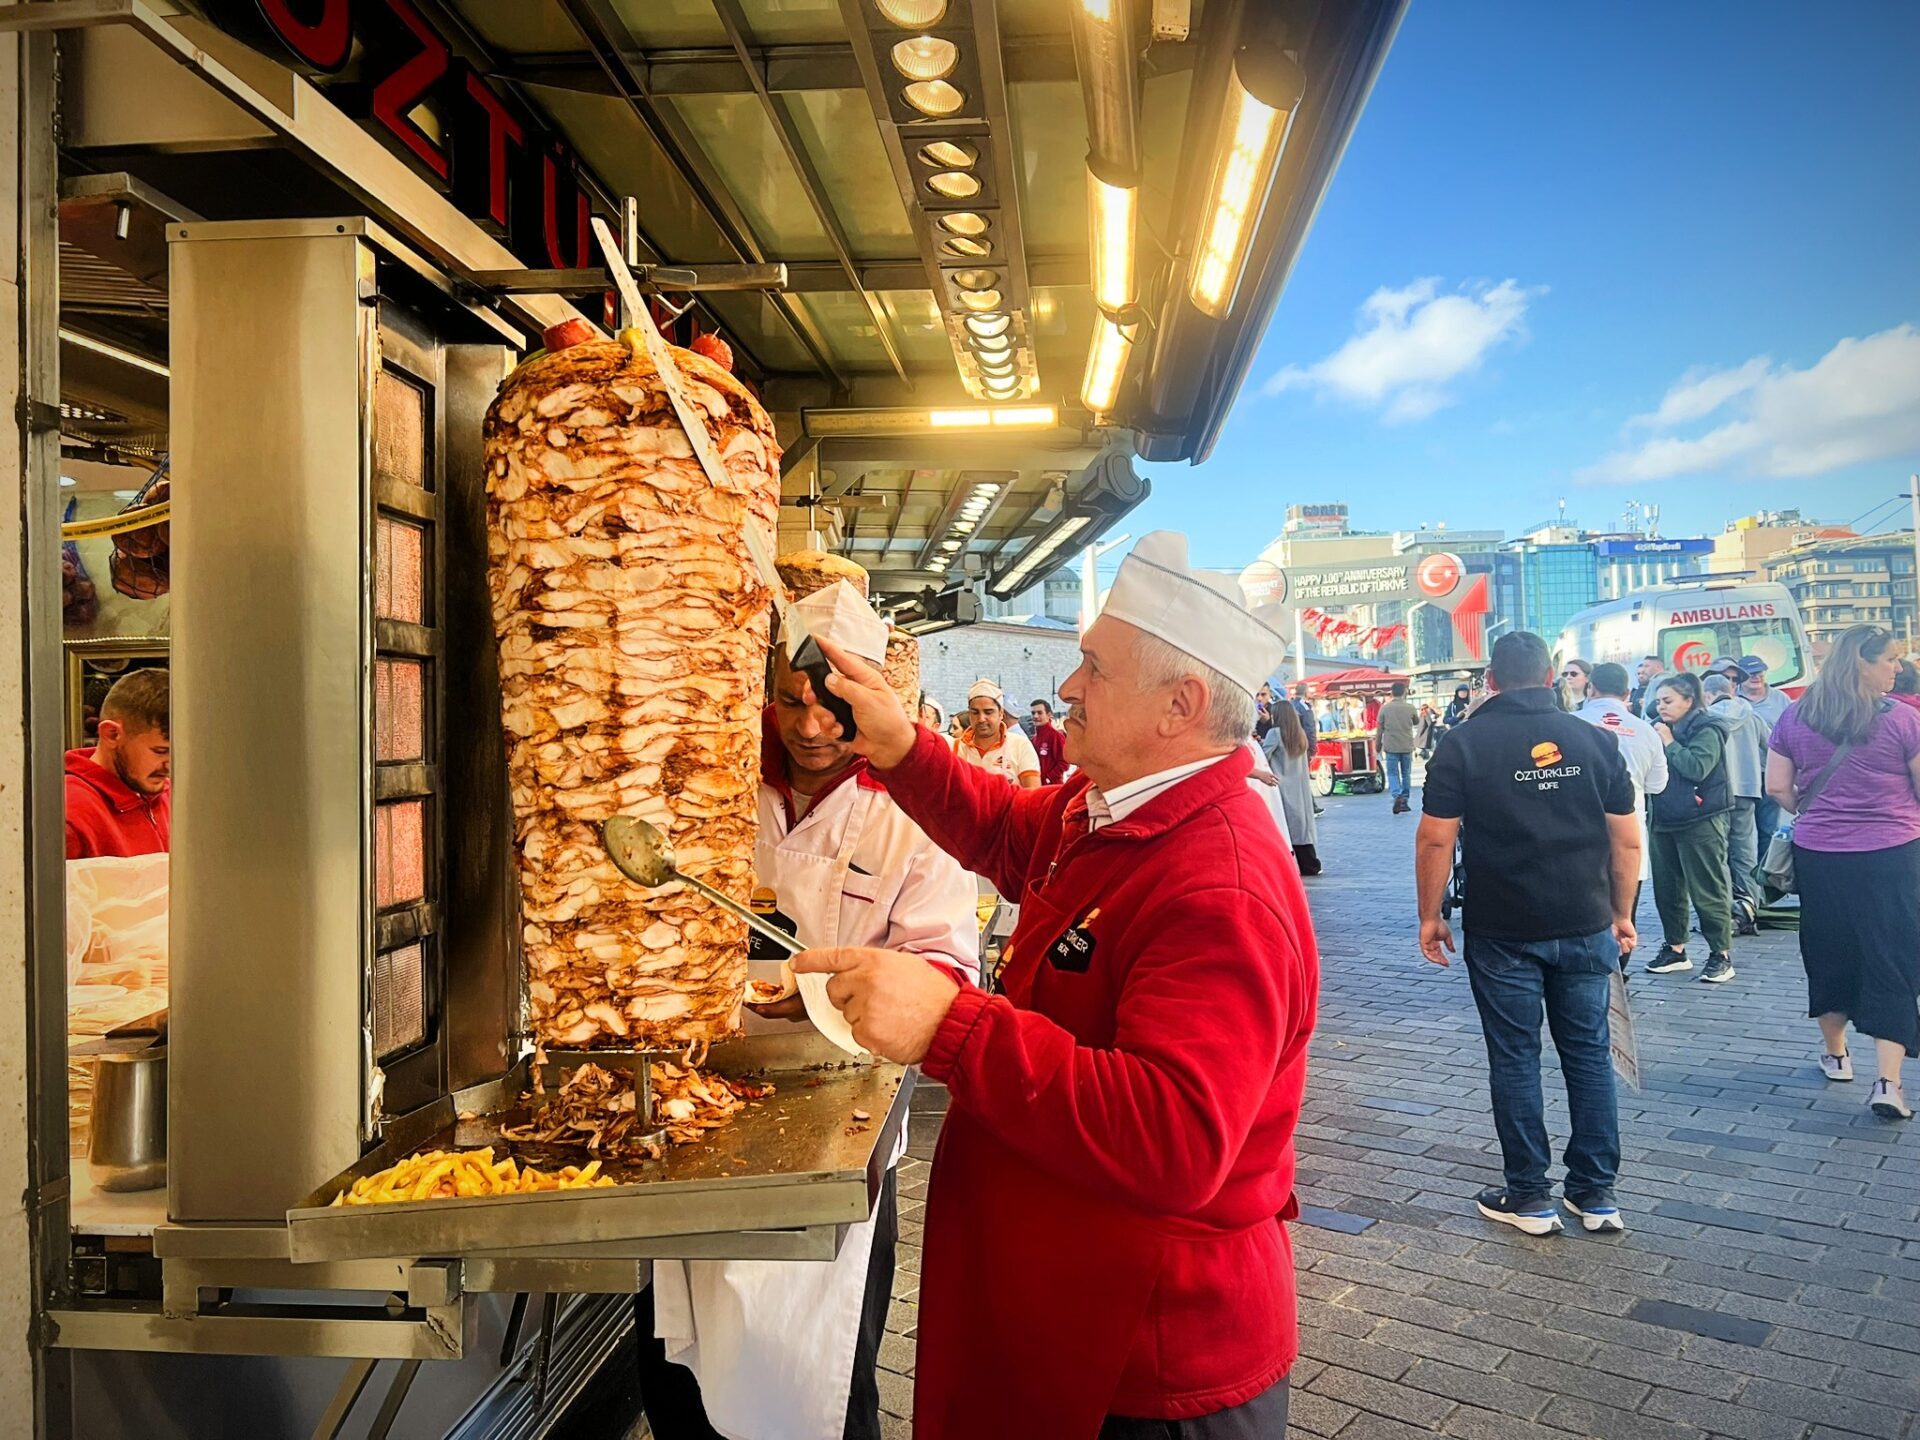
(781, 1179)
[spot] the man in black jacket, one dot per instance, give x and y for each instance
(1553, 863)
(1650, 669)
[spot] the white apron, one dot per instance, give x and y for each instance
(772, 1341)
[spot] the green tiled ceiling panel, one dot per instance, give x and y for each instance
(918, 329)
(844, 319)
(794, 22)
(751, 319)
(521, 27)
(1050, 125)
(837, 129)
(740, 142)
(668, 24)
(617, 147)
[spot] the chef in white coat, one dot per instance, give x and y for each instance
(787, 1350)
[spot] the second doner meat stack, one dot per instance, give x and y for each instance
(633, 640)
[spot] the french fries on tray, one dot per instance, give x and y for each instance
(448, 1175)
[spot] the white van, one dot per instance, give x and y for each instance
(1688, 625)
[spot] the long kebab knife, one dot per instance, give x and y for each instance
(803, 652)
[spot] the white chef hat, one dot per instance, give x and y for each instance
(986, 688)
(1200, 614)
(839, 613)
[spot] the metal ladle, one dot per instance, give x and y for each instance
(645, 856)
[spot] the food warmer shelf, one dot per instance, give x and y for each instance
(781, 1181)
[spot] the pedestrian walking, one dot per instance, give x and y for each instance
(1303, 707)
(1289, 755)
(1689, 825)
(1394, 730)
(1650, 668)
(1746, 735)
(1646, 758)
(1575, 684)
(1906, 685)
(1846, 762)
(1545, 803)
(1769, 704)
(1049, 743)
(1459, 707)
(1426, 731)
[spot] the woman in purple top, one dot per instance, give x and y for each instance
(1856, 855)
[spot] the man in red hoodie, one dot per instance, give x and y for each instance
(1122, 1117)
(117, 792)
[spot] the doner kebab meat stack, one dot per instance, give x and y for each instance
(633, 631)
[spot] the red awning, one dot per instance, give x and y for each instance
(1353, 682)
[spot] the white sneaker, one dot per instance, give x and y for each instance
(1837, 1067)
(1596, 1218)
(1886, 1101)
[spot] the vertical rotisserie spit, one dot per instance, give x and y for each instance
(632, 628)
(902, 669)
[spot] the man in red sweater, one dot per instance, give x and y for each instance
(117, 792)
(1050, 744)
(1122, 1116)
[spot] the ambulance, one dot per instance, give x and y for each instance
(1688, 625)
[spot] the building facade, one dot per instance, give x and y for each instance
(1545, 578)
(1866, 579)
(1747, 544)
(1027, 662)
(1634, 562)
(1055, 598)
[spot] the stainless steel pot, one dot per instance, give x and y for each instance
(127, 1145)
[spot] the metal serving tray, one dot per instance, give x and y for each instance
(794, 1161)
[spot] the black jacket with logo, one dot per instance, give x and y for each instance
(1697, 787)
(1533, 787)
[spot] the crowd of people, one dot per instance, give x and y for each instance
(1550, 798)
(1726, 793)
(1130, 1083)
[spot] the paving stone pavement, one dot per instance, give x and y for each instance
(1769, 1285)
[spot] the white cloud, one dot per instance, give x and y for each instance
(1411, 344)
(1701, 391)
(1858, 402)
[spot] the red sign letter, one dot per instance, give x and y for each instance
(501, 128)
(408, 85)
(324, 43)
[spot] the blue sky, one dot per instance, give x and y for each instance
(1655, 252)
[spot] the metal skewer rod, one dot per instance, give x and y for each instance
(645, 856)
(754, 923)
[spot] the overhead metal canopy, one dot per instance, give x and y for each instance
(921, 167)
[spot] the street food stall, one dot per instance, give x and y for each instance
(1347, 759)
(913, 283)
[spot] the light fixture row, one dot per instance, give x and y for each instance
(965, 519)
(935, 80)
(1264, 91)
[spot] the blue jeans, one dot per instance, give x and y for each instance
(1399, 774)
(1513, 981)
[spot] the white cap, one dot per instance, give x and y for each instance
(1200, 614)
(986, 688)
(839, 613)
